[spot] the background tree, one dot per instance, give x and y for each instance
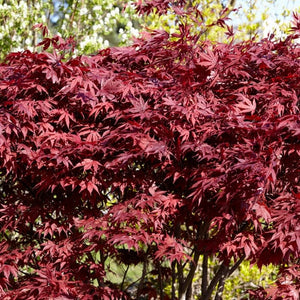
(97, 24)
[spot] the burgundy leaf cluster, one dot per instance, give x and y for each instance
(158, 153)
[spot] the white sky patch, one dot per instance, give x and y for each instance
(277, 11)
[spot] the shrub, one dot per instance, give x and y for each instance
(161, 155)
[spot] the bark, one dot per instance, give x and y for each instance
(160, 282)
(189, 292)
(221, 285)
(219, 279)
(141, 284)
(221, 271)
(173, 280)
(185, 286)
(204, 284)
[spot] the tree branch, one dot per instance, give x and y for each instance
(222, 269)
(236, 265)
(221, 285)
(173, 280)
(124, 276)
(226, 275)
(141, 284)
(161, 291)
(185, 284)
(204, 274)
(231, 4)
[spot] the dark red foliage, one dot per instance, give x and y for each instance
(159, 6)
(163, 151)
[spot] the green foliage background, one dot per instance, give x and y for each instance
(97, 24)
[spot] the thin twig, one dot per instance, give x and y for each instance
(236, 265)
(124, 276)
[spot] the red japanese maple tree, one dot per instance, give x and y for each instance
(161, 154)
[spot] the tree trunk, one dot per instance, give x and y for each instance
(141, 284)
(173, 280)
(185, 286)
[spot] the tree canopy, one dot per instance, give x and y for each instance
(161, 155)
